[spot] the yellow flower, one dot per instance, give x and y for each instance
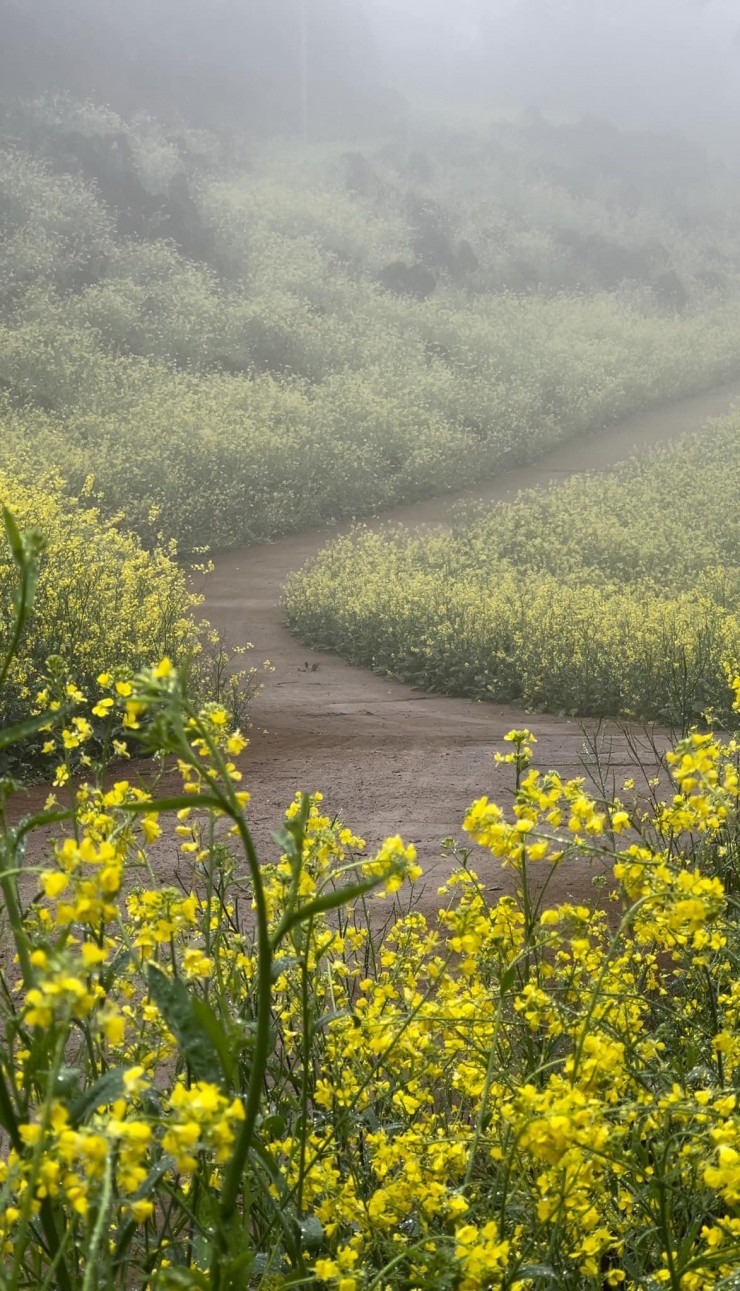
(54, 882)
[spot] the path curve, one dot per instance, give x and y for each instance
(388, 758)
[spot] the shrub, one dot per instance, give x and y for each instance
(53, 228)
(388, 421)
(102, 599)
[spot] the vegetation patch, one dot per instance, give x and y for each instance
(103, 603)
(235, 1082)
(236, 346)
(609, 594)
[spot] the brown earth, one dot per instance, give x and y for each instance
(389, 759)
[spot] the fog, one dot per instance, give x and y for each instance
(662, 63)
(657, 63)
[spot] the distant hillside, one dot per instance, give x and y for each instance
(233, 338)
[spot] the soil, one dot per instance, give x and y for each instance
(389, 759)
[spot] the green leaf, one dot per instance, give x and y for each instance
(327, 1018)
(169, 804)
(26, 549)
(175, 1003)
(225, 1047)
(115, 968)
(128, 1230)
(236, 1271)
(105, 1090)
(331, 901)
(21, 730)
(273, 1126)
(186, 1278)
(39, 819)
(281, 965)
(312, 1233)
(14, 538)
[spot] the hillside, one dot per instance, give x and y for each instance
(303, 332)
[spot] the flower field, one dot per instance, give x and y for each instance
(232, 1083)
(245, 344)
(102, 602)
(204, 347)
(605, 595)
(224, 1070)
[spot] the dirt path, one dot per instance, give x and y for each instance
(388, 758)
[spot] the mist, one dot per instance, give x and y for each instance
(664, 64)
(659, 64)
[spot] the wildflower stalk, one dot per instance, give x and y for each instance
(8, 1116)
(235, 1169)
(480, 1119)
(48, 1221)
(91, 1270)
(305, 1068)
(26, 550)
(665, 1225)
(9, 888)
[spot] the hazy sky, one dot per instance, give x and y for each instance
(659, 63)
(666, 61)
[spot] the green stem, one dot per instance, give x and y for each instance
(46, 1213)
(20, 621)
(91, 1270)
(235, 1168)
(9, 887)
(306, 1046)
(484, 1096)
(665, 1227)
(7, 1111)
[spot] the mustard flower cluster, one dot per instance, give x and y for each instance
(239, 1073)
(103, 602)
(569, 599)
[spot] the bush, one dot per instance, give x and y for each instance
(239, 1082)
(102, 601)
(53, 229)
(598, 596)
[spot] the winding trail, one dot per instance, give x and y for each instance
(389, 758)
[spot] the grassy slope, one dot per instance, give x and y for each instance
(271, 381)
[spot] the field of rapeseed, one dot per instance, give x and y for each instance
(611, 594)
(103, 602)
(192, 320)
(229, 1079)
(231, 1083)
(212, 341)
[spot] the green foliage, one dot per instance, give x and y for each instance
(611, 594)
(223, 459)
(102, 602)
(271, 383)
